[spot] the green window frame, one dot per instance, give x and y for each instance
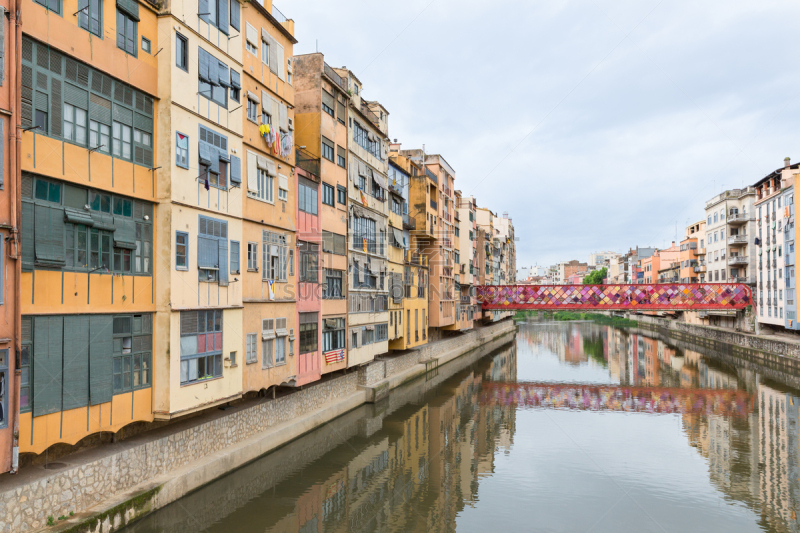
(127, 33)
(50, 5)
(132, 349)
(90, 16)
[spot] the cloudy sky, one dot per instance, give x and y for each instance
(596, 124)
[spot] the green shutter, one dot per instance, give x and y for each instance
(131, 7)
(125, 234)
(27, 236)
(47, 364)
(76, 361)
(100, 348)
(49, 242)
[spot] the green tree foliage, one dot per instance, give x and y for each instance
(596, 277)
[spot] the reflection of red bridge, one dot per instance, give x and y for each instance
(618, 398)
(659, 297)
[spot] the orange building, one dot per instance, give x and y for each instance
(692, 254)
(660, 259)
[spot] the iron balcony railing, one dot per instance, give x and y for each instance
(738, 239)
(338, 80)
(431, 175)
(434, 205)
(740, 218)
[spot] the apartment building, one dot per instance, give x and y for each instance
(87, 185)
(692, 254)
(601, 259)
(397, 251)
(10, 239)
(368, 312)
(321, 117)
(407, 175)
(771, 193)
(730, 227)
(464, 314)
(789, 281)
(659, 259)
(567, 268)
(438, 238)
(468, 247)
(280, 345)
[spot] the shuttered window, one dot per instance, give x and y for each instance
(58, 91)
(47, 364)
(214, 78)
(236, 11)
(274, 257)
(201, 345)
(216, 13)
(133, 341)
(76, 361)
(212, 250)
(308, 262)
(213, 156)
(235, 259)
(127, 29)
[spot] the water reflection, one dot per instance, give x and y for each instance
(573, 427)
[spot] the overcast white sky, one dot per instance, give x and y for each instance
(595, 124)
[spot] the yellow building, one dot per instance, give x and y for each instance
(412, 321)
(88, 225)
(269, 247)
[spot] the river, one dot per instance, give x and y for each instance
(574, 426)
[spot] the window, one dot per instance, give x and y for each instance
(181, 250)
(307, 198)
(365, 235)
(99, 136)
(334, 243)
(218, 15)
(341, 157)
(333, 334)
(308, 261)
(251, 348)
(145, 45)
(90, 16)
(214, 78)
(201, 345)
(74, 124)
(182, 52)
(252, 110)
(251, 48)
(126, 32)
(182, 150)
(341, 194)
(252, 256)
(236, 85)
(333, 285)
(132, 344)
(266, 186)
(212, 250)
(235, 257)
(328, 195)
(51, 5)
(328, 102)
(397, 207)
(40, 120)
(327, 149)
(275, 256)
(122, 140)
(3, 385)
(308, 332)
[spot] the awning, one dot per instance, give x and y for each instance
(379, 179)
(398, 236)
(268, 335)
(103, 222)
(76, 216)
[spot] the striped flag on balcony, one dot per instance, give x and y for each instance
(335, 356)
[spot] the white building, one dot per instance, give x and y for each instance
(598, 259)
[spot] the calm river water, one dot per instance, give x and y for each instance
(573, 427)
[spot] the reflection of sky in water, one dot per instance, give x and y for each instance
(444, 456)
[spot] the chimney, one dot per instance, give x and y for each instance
(787, 162)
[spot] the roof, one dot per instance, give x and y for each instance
(775, 174)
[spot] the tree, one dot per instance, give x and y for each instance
(596, 277)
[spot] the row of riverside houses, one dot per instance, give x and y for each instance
(192, 215)
(746, 236)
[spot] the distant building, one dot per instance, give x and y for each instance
(601, 259)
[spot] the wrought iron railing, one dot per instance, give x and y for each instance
(434, 205)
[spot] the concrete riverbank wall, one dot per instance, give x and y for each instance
(109, 486)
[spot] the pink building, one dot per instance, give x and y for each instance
(309, 293)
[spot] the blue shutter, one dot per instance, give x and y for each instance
(203, 8)
(222, 75)
(236, 165)
(207, 252)
(203, 60)
(28, 255)
(101, 346)
(47, 364)
(76, 361)
(222, 16)
(235, 79)
(223, 262)
(207, 152)
(236, 11)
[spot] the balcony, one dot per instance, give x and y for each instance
(738, 239)
(789, 260)
(434, 205)
(276, 13)
(700, 268)
(367, 112)
(458, 218)
(415, 258)
(740, 218)
(409, 223)
(431, 175)
(738, 260)
(701, 251)
(338, 80)
(307, 161)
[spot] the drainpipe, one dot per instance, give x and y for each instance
(15, 156)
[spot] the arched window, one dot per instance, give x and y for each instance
(722, 214)
(709, 219)
(715, 217)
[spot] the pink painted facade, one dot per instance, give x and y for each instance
(309, 295)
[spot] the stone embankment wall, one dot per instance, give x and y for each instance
(133, 477)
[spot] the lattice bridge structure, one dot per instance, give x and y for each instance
(653, 297)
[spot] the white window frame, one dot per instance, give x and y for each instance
(252, 256)
(251, 348)
(266, 186)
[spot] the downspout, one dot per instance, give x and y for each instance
(15, 171)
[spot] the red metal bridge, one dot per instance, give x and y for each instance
(653, 400)
(654, 297)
